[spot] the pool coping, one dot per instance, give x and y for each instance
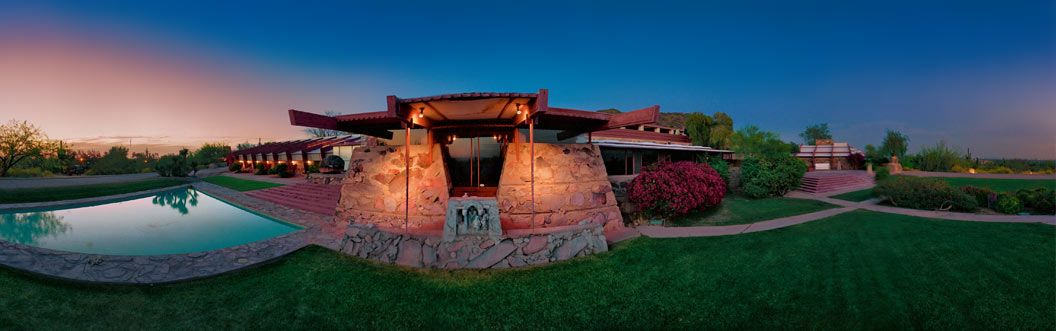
(170, 268)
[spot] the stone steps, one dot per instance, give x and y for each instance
(821, 183)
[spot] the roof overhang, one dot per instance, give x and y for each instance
(468, 111)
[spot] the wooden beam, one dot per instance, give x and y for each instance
(641, 116)
(503, 109)
(300, 118)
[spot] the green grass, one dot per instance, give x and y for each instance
(1003, 185)
(239, 184)
(857, 270)
(736, 209)
(999, 185)
(856, 196)
(83, 191)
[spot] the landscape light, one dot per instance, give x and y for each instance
(421, 112)
(518, 108)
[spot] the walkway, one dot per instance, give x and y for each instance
(964, 175)
(709, 231)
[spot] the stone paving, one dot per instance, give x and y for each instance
(155, 269)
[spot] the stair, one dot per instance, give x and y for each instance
(829, 181)
(316, 198)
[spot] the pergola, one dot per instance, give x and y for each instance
(474, 114)
(294, 150)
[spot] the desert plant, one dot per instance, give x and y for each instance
(1039, 200)
(235, 167)
(283, 170)
(924, 193)
(1008, 204)
(260, 169)
(674, 189)
(881, 173)
(774, 176)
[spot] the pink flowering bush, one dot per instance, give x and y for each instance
(674, 189)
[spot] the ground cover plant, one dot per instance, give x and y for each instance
(239, 184)
(83, 191)
(674, 189)
(858, 270)
(1002, 185)
(736, 209)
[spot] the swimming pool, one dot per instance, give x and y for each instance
(176, 221)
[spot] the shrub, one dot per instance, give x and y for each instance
(314, 168)
(172, 166)
(235, 167)
(1007, 204)
(282, 170)
(999, 170)
(881, 173)
(764, 177)
(29, 172)
(674, 189)
(982, 195)
(1040, 200)
(722, 168)
(924, 193)
(260, 169)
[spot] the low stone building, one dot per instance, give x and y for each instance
(828, 155)
(532, 165)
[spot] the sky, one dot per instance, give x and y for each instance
(980, 75)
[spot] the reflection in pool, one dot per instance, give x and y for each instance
(192, 222)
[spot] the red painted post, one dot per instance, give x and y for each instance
(407, 183)
(531, 156)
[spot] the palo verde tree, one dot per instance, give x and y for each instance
(713, 131)
(21, 140)
(815, 132)
(895, 144)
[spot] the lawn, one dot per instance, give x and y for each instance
(736, 209)
(999, 185)
(239, 184)
(857, 270)
(84, 191)
(1003, 185)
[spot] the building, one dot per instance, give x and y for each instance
(628, 150)
(828, 155)
(296, 153)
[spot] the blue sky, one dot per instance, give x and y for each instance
(980, 75)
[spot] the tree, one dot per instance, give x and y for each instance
(245, 145)
(714, 131)
(815, 132)
(721, 130)
(212, 153)
(698, 127)
(320, 133)
(19, 141)
(750, 141)
(895, 144)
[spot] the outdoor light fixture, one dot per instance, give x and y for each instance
(421, 112)
(518, 108)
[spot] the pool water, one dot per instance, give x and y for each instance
(171, 222)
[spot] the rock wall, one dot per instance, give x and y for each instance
(571, 186)
(425, 248)
(373, 188)
(326, 179)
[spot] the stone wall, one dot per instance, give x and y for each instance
(425, 248)
(570, 186)
(326, 179)
(373, 188)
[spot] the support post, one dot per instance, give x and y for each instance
(531, 156)
(407, 183)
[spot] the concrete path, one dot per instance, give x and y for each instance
(60, 181)
(710, 231)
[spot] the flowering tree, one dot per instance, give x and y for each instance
(674, 189)
(21, 140)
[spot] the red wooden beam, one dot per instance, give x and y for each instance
(641, 116)
(300, 118)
